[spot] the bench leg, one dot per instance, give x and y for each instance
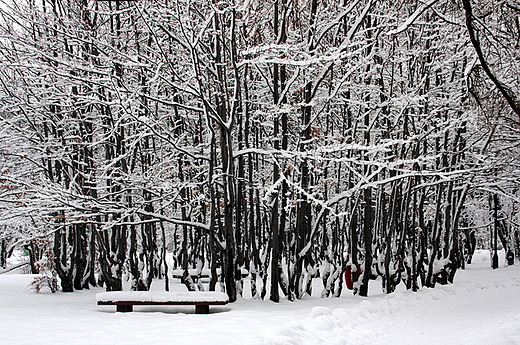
(124, 308)
(202, 309)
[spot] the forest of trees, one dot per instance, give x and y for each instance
(275, 140)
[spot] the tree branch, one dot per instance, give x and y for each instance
(504, 89)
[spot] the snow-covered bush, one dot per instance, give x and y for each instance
(48, 277)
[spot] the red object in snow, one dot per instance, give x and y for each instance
(348, 277)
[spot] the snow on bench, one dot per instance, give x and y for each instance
(12, 268)
(205, 273)
(125, 300)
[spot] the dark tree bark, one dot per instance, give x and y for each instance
(62, 264)
(3, 254)
(504, 89)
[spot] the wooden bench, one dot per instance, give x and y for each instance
(125, 300)
(204, 274)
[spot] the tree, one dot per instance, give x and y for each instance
(283, 139)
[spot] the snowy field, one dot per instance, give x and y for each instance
(482, 307)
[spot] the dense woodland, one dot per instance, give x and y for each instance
(276, 141)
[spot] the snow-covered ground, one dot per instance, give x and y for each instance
(481, 307)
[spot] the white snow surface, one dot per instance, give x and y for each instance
(162, 296)
(481, 307)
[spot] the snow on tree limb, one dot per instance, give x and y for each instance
(506, 91)
(412, 18)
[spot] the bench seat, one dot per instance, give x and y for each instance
(125, 300)
(204, 274)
